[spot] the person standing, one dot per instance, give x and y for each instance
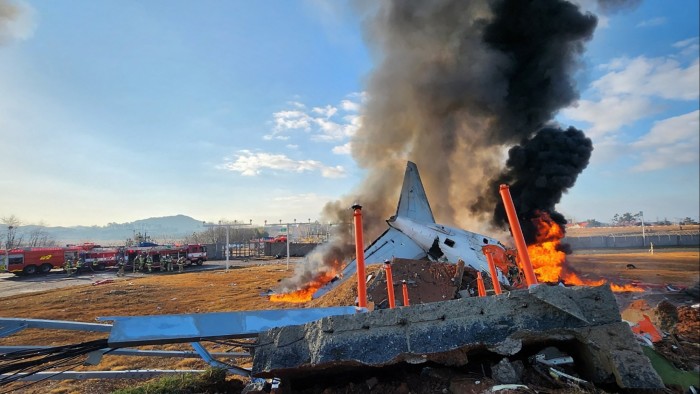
(68, 266)
(120, 264)
(149, 263)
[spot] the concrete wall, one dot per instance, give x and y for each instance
(633, 241)
(295, 249)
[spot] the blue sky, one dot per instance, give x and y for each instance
(113, 111)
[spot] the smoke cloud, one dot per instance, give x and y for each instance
(456, 84)
(539, 171)
(16, 21)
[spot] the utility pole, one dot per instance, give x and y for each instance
(7, 248)
(228, 230)
(287, 225)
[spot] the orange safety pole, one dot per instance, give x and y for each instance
(389, 284)
(480, 284)
(404, 287)
(494, 274)
(520, 245)
(360, 252)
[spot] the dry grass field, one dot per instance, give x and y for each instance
(236, 290)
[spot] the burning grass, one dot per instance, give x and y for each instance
(306, 292)
(549, 259)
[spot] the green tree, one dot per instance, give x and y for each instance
(626, 219)
(594, 223)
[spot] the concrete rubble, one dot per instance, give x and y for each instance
(582, 321)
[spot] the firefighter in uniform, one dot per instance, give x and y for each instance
(120, 264)
(142, 261)
(181, 264)
(80, 263)
(68, 266)
(168, 263)
(149, 263)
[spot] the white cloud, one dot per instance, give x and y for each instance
(344, 149)
(292, 146)
(324, 123)
(326, 111)
(350, 106)
(253, 163)
(633, 88)
(610, 113)
(688, 47)
(335, 131)
(17, 20)
(658, 21)
(292, 120)
(670, 142)
(641, 76)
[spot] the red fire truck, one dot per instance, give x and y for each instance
(29, 261)
(193, 254)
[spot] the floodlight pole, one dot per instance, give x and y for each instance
(644, 236)
(228, 252)
(228, 228)
(7, 249)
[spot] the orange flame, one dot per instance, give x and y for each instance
(306, 292)
(549, 261)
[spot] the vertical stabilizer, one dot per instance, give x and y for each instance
(413, 203)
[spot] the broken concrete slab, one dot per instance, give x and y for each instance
(549, 295)
(446, 332)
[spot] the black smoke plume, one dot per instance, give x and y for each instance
(539, 171)
(456, 83)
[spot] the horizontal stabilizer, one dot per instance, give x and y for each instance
(392, 243)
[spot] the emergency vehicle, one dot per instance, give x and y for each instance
(193, 254)
(30, 261)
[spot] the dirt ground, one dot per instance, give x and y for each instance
(242, 289)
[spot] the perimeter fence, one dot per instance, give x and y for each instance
(627, 241)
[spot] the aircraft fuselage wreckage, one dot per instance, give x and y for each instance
(413, 234)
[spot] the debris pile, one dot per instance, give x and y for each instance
(688, 326)
(426, 282)
(670, 336)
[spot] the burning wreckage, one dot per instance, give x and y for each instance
(573, 335)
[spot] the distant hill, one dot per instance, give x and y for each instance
(161, 230)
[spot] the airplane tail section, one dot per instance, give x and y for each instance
(413, 203)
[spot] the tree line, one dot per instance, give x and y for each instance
(11, 237)
(635, 219)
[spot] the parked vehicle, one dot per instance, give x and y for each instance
(90, 257)
(29, 261)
